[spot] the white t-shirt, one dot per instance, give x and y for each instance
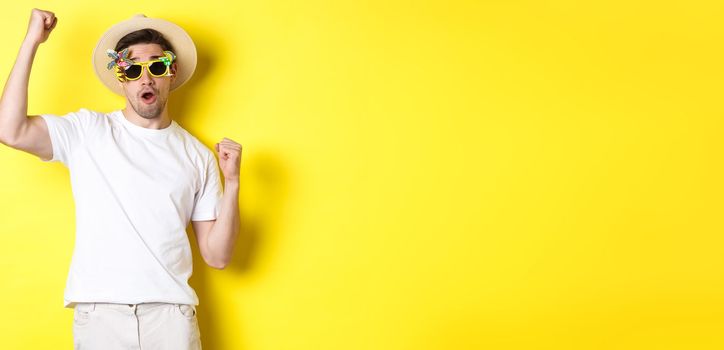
(135, 190)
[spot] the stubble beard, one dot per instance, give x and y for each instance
(151, 111)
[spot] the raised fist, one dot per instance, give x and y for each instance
(40, 26)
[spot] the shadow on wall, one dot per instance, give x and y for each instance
(270, 182)
(185, 96)
(266, 177)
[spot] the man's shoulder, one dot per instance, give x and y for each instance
(89, 115)
(80, 113)
(83, 118)
(87, 112)
(194, 142)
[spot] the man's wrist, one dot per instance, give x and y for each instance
(232, 184)
(30, 43)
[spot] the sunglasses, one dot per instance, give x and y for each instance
(156, 68)
(127, 69)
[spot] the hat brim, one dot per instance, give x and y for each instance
(183, 47)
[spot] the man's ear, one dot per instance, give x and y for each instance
(174, 69)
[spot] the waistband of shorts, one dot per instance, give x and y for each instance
(126, 307)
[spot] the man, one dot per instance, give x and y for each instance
(138, 178)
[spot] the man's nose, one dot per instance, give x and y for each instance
(146, 78)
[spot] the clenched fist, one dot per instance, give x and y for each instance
(229, 158)
(40, 26)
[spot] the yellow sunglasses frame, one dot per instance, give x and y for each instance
(121, 73)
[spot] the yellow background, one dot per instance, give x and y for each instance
(417, 174)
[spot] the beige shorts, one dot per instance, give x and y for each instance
(144, 326)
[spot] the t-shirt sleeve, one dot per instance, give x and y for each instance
(207, 201)
(66, 134)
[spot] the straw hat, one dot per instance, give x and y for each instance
(183, 47)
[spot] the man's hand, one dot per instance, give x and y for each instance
(229, 158)
(40, 26)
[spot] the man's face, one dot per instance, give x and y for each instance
(148, 95)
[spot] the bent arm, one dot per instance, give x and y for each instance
(17, 130)
(226, 229)
(14, 102)
(216, 238)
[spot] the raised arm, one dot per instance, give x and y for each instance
(17, 129)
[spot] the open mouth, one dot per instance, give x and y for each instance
(148, 97)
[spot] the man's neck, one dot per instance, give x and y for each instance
(160, 122)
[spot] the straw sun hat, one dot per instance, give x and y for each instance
(183, 47)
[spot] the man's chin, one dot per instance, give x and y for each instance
(148, 111)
